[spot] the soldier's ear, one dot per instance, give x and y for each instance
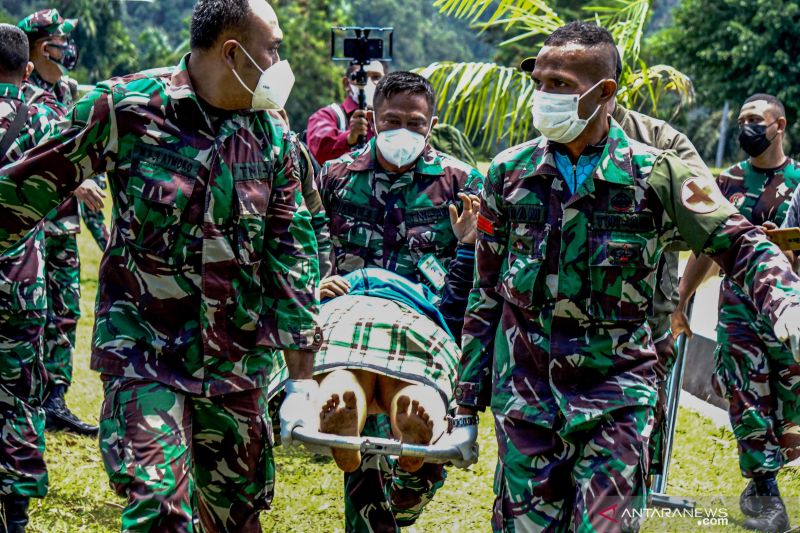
(609, 90)
(370, 116)
(228, 53)
(28, 71)
(781, 123)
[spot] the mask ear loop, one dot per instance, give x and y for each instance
(253, 61)
(597, 109)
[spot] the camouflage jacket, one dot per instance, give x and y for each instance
(761, 196)
(22, 285)
(211, 265)
(55, 100)
(568, 278)
(659, 134)
(394, 221)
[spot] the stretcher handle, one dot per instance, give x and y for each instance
(321, 443)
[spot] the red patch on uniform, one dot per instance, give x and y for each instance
(485, 225)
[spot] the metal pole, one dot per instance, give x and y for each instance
(674, 385)
(723, 128)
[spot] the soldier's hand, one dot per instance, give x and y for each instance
(465, 226)
(298, 408)
(768, 226)
(358, 126)
(333, 286)
(464, 437)
(787, 329)
(679, 323)
(90, 193)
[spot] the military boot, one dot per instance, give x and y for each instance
(749, 501)
(13, 514)
(772, 516)
(59, 417)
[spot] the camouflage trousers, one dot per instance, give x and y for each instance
(379, 496)
(587, 479)
(665, 348)
(63, 273)
(22, 382)
(180, 458)
(758, 376)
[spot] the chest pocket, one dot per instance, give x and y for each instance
(353, 235)
(622, 263)
(522, 277)
(159, 187)
(253, 184)
(428, 231)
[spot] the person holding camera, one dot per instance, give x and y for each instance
(336, 129)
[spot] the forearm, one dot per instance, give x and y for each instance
(299, 363)
(751, 261)
(458, 284)
(698, 269)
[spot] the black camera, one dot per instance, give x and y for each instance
(361, 46)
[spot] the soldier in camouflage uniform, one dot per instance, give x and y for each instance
(52, 53)
(396, 215)
(210, 269)
(658, 134)
(754, 370)
(23, 307)
(556, 339)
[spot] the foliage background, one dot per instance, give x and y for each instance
(735, 48)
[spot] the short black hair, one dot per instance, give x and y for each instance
(14, 52)
(773, 100)
(401, 82)
(211, 18)
(589, 35)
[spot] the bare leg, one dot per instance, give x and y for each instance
(417, 414)
(345, 395)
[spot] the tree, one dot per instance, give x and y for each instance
(306, 44)
(105, 47)
(737, 48)
(493, 101)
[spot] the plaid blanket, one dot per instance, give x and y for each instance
(385, 337)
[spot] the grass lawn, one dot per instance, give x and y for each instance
(309, 489)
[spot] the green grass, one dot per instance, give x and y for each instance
(309, 490)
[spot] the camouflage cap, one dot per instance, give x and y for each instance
(47, 22)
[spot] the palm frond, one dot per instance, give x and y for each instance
(491, 101)
(626, 20)
(645, 89)
(531, 16)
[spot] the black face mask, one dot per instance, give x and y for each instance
(753, 139)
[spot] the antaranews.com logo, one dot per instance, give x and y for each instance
(703, 517)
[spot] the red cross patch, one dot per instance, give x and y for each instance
(700, 196)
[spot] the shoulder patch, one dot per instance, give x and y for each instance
(701, 197)
(737, 200)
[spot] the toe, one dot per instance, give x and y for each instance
(350, 399)
(402, 404)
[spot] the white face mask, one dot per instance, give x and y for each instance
(400, 147)
(369, 92)
(274, 85)
(556, 115)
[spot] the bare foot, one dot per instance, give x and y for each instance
(416, 427)
(341, 420)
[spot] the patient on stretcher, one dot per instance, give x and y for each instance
(386, 349)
